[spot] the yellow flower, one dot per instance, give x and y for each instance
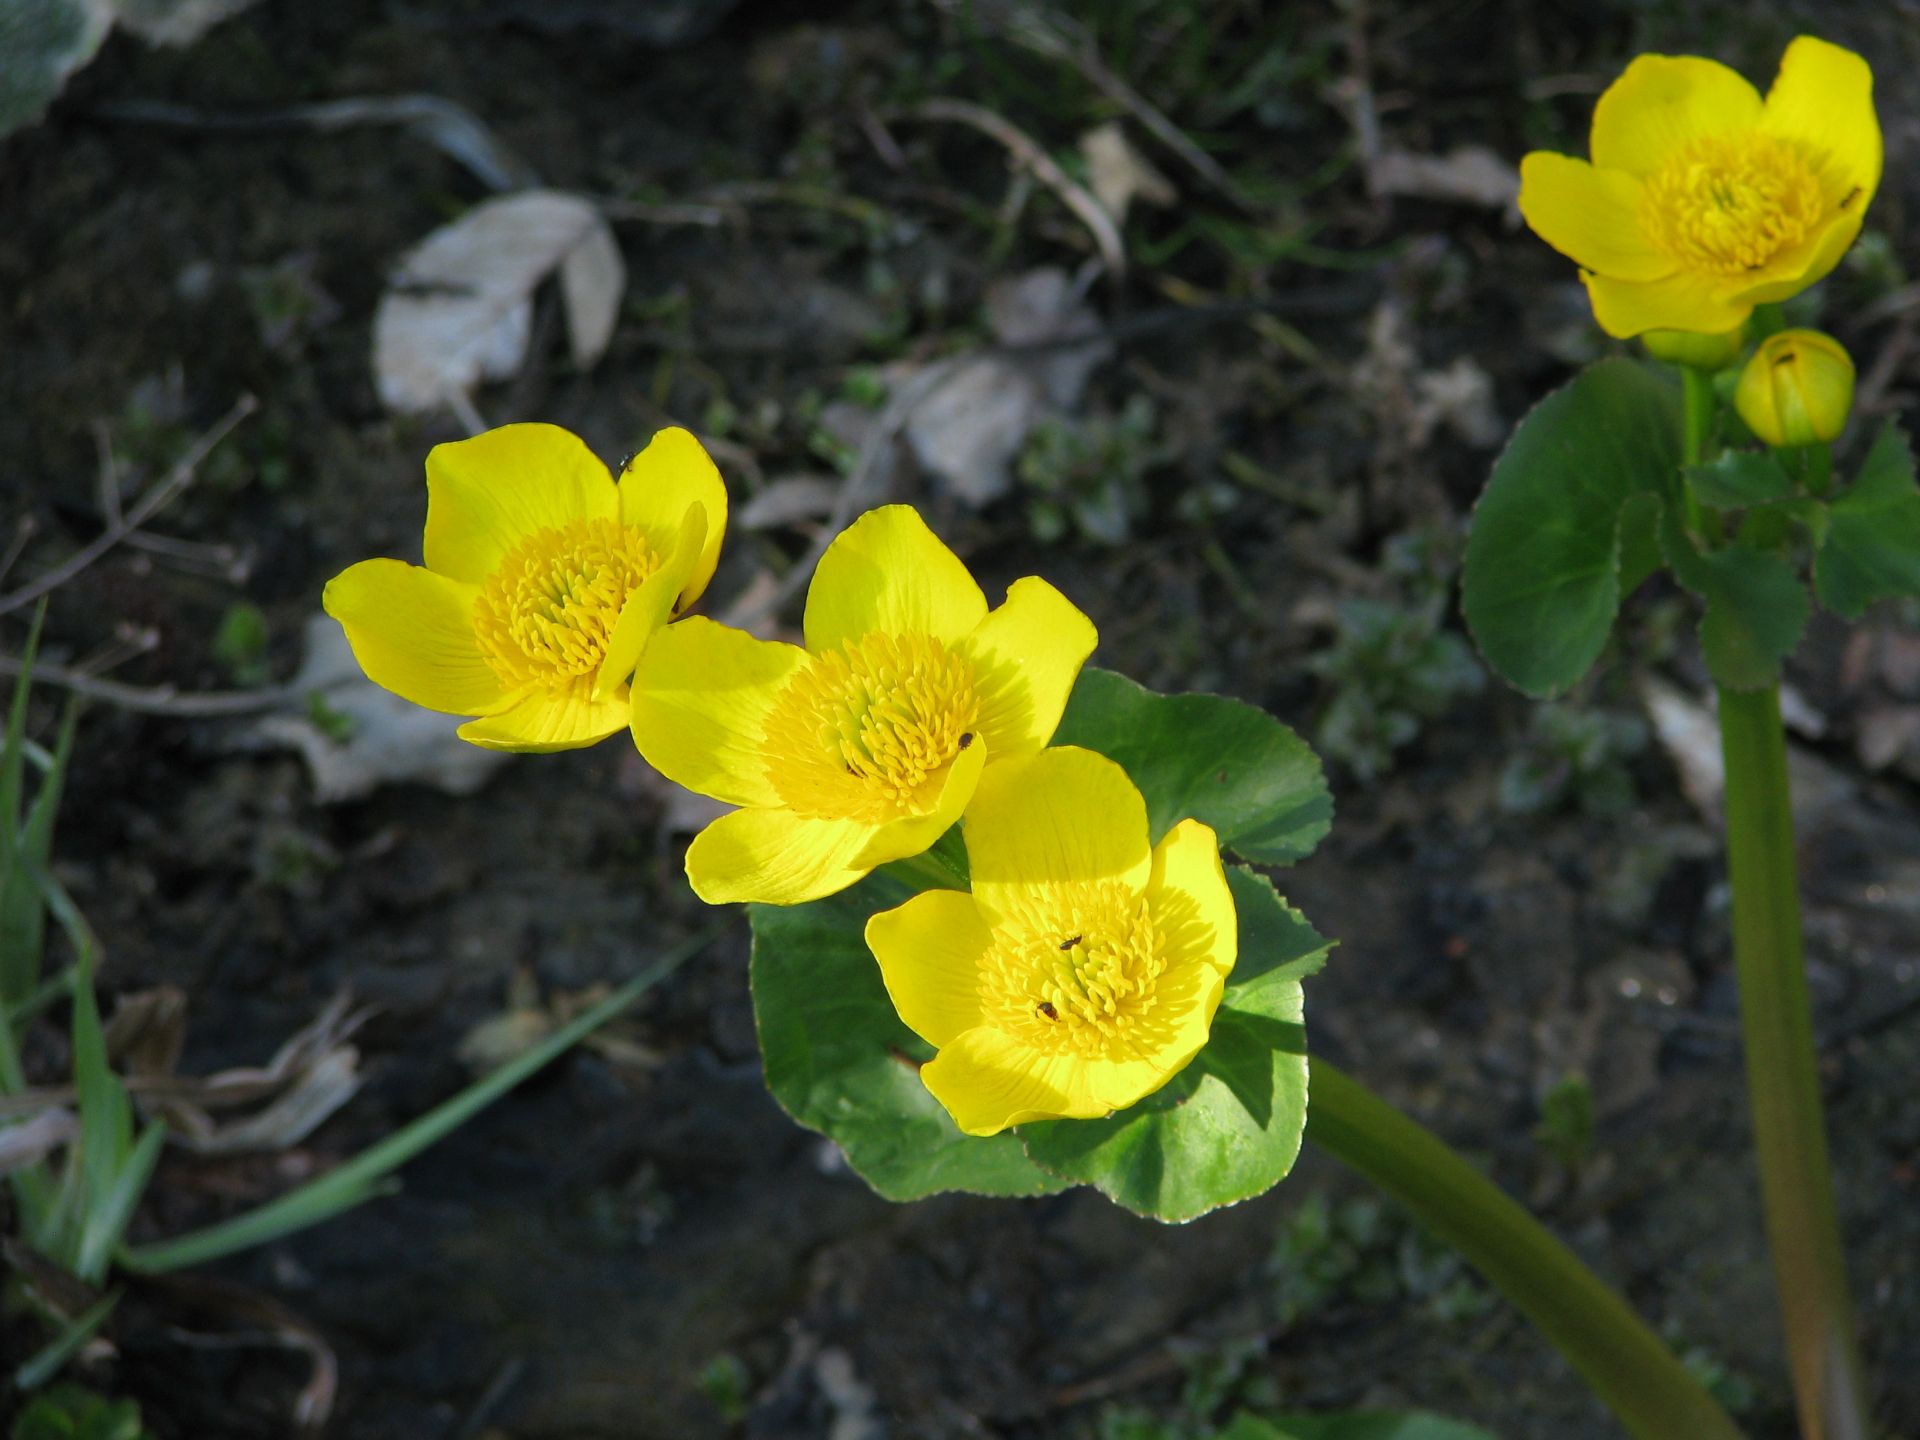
(1797, 389)
(1083, 971)
(865, 746)
(1702, 199)
(544, 580)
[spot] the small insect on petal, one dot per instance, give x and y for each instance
(1045, 1007)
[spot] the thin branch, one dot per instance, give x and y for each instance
(156, 699)
(149, 505)
(1026, 152)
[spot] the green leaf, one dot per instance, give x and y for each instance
(1352, 1425)
(1756, 607)
(1228, 1126)
(840, 1061)
(1873, 538)
(1740, 478)
(1544, 566)
(1206, 757)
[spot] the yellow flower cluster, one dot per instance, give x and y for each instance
(1084, 968)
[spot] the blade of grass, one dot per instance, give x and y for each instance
(19, 966)
(354, 1182)
(23, 922)
(47, 1364)
(106, 1120)
(108, 1214)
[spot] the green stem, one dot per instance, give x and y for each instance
(1697, 406)
(1783, 1086)
(1626, 1364)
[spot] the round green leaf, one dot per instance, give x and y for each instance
(1208, 758)
(1872, 548)
(1553, 535)
(841, 1062)
(1228, 1126)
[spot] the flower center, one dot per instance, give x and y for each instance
(1730, 204)
(863, 731)
(1074, 970)
(547, 611)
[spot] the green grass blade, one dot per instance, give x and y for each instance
(23, 913)
(19, 963)
(108, 1214)
(106, 1116)
(48, 1363)
(32, 1185)
(357, 1180)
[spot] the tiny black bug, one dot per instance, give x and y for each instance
(1070, 942)
(1045, 1007)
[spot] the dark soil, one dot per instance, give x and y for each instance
(573, 1262)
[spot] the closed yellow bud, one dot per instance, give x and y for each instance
(1699, 352)
(1797, 389)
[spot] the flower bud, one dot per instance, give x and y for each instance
(1697, 351)
(1797, 389)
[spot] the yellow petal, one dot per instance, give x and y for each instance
(988, 1082)
(1026, 656)
(486, 494)
(547, 720)
(1191, 903)
(909, 835)
(1807, 264)
(1063, 815)
(700, 703)
(659, 484)
(652, 605)
(929, 951)
(1591, 216)
(412, 632)
(1624, 308)
(1823, 97)
(888, 572)
(774, 857)
(1186, 996)
(1663, 101)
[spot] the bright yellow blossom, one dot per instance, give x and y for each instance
(543, 581)
(1797, 389)
(1703, 200)
(865, 746)
(1083, 971)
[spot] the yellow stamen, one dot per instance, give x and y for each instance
(1074, 970)
(860, 731)
(545, 615)
(1729, 204)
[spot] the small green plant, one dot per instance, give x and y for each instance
(1392, 668)
(726, 1381)
(1565, 1130)
(240, 644)
(1578, 757)
(72, 1412)
(1088, 477)
(1361, 1251)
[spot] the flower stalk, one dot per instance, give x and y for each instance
(1632, 1371)
(1783, 1087)
(1776, 1022)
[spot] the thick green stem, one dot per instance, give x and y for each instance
(1625, 1363)
(1783, 1086)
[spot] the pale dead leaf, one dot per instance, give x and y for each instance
(176, 22)
(787, 500)
(459, 307)
(1118, 174)
(1470, 175)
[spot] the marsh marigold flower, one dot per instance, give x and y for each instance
(1083, 971)
(1702, 200)
(866, 745)
(1797, 389)
(544, 579)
